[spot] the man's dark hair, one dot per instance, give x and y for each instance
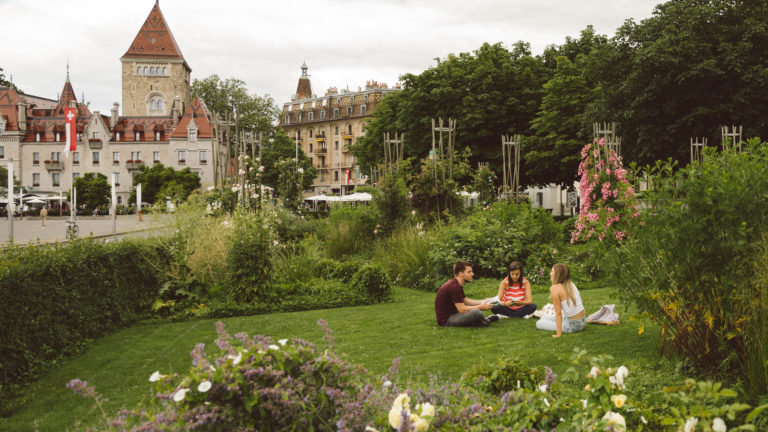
(460, 266)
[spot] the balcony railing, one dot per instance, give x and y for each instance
(53, 165)
(134, 164)
(94, 143)
(321, 150)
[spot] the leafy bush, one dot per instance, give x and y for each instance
(249, 258)
(492, 238)
(298, 261)
(390, 201)
(57, 297)
(691, 266)
(405, 255)
(348, 230)
(504, 375)
(345, 270)
(372, 282)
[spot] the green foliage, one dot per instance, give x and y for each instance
(491, 91)
(504, 375)
(405, 255)
(390, 202)
(292, 227)
(93, 191)
(690, 267)
(491, 239)
(249, 258)
(484, 183)
(159, 182)
(281, 147)
(430, 195)
(289, 183)
(56, 298)
(372, 282)
(348, 230)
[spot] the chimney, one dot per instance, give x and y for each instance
(22, 116)
(115, 107)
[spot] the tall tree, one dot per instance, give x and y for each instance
(280, 147)
(693, 66)
(92, 191)
(160, 181)
(491, 91)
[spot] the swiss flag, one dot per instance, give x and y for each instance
(70, 118)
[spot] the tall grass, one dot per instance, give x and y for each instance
(297, 262)
(405, 255)
(756, 337)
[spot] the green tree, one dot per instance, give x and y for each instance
(484, 184)
(279, 147)
(93, 191)
(693, 66)
(159, 182)
(6, 83)
(289, 183)
(552, 155)
(390, 201)
(491, 91)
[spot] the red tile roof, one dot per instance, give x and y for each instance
(8, 107)
(198, 111)
(155, 39)
(67, 95)
(147, 125)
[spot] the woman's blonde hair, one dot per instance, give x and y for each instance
(563, 276)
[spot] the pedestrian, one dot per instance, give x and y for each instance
(43, 214)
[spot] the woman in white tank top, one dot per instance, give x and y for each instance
(569, 311)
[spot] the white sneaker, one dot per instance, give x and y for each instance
(528, 316)
(502, 316)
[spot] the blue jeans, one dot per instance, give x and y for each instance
(547, 322)
(514, 313)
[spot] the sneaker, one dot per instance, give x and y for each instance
(502, 316)
(528, 316)
(492, 318)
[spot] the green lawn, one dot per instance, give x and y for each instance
(119, 365)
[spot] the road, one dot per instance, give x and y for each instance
(30, 229)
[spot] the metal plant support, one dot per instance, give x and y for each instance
(734, 134)
(510, 155)
(393, 151)
(696, 148)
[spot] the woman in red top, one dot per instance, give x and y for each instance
(515, 294)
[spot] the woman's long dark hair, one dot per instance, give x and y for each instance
(514, 265)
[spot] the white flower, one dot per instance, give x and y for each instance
(301, 170)
(236, 359)
(180, 394)
(543, 388)
(419, 424)
(274, 347)
(370, 429)
(619, 400)
(427, 410)
(155, 377)
(584, 402)
(718, 425)
(546, 402)
(275, 242)
(261, 168)
(283, 342)
(394, 417)
(402, 403)
(616, 420)
(387, 384)
(690, 424)
(204, 386)
(413, 212)
(622, 372)
(593, 372)
(241, 172)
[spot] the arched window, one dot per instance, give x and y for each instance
(159, 104)
(154, 104)
(151, 71)
(138, 70)
(310, 133)
(350, 129)
(336, 130)
(145, 70)
(165, 71)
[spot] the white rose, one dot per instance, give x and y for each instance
(619, 400)
(419, 424)
(690, 424)
(622, 372)
(616, 420)
(180, 394)
(593, 372)
(283, 341)
(427, 410)
(155, 376)
(204, 386)
(718, 425)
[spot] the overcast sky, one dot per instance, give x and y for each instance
(344, 42)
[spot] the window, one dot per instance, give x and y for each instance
(287, 119)
(145, 70)
(335, 176)
(37, 137)
(336, 145)
(182, 156)
(36, 179)
(58, 136)
(116, 177)
(363, 109)
(165, 71)
(76, 158)
(203, 156)
(2, 152)
(56, 179)
(157, 135)
(349, 130)
(298, 117)
(298, 134)
(95, 158)
(151, 71)
(336, 130)
(349, 110)
(55, 156)
(117, 136)
(75, 175)
(79, 136)
(2, 126)
(35, 158)
(311, 116)
(156, 156)
(540, 199)
(115, 157)
(138, 70)
(154, 104)
(95, 134)
(193, 135)
(138, 136)
(136, 156)
(310, 133)
(322, 115)
(310, 147)
(119, 200)
(335, 113)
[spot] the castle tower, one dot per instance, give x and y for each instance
(304, 89)
(154, 71)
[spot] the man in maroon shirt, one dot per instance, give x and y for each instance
(453, 308)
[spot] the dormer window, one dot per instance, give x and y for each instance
(58, 136)
(138, 136)
(117, 136)
(192, 131)
(157, 136)
(287, 119)
(349, 110)
(37, 136)
(2, 125)
(363, 109)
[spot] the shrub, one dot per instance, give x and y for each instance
(390, 201)
(373, 283)
(298, 261)
(492, 238)
(506, 374)
(249, 258)
(690, 267)
(348, 230)
(57, 297)
(405, 255)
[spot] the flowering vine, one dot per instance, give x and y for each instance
(608, 202)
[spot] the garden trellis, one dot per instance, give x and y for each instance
(696, 148)
(731, 137)
(510, 155)
(393, 151)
